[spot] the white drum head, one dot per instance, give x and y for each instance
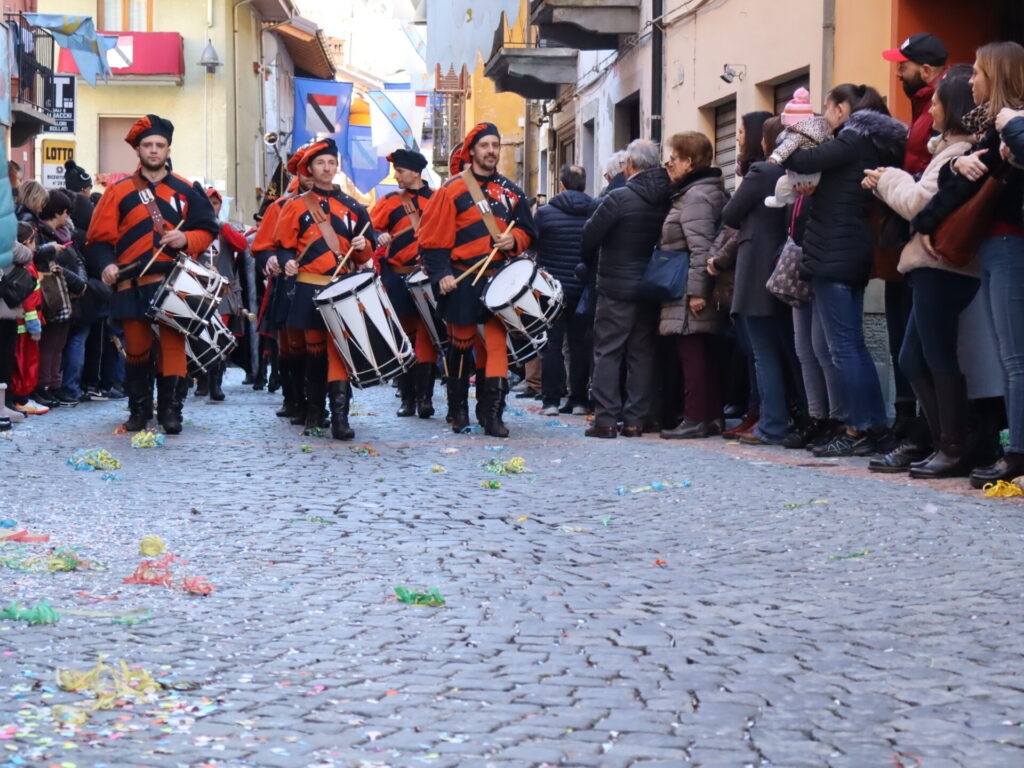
(508, 283)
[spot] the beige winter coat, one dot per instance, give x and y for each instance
(907, 197)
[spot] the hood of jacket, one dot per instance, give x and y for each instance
(573, 202)
(710, 176)
(887, 133)
(653, 185)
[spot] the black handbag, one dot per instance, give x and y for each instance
(16, 286)
(665, 276)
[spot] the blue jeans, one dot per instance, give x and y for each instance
(840, 308)
(821, 379)
(1002, 278)
(74, 362)
(768, 340)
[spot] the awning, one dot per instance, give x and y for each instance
(305, 43)
(153, 57)
(274, 10)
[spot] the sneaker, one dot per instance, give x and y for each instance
(113, 394)
(846, 444)
(32, 408)
(44, 398)
(94, 394)
(528, 394)
(85, 397)
(581, 410)
(549, 410)
(63, 399)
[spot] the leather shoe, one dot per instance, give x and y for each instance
(605, 432)
(1010, 467)
(632, 430)
(692, 430)
(899, 460)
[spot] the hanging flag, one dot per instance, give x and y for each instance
(322, 109)
(77, 34)
(389, 121)
(361, 163)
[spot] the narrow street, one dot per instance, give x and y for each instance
(762, 609)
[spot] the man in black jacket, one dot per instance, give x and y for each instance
(559, 236)
(625, 228)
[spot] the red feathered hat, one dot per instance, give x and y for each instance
(460, 157)
(322, 147)
(150, 125)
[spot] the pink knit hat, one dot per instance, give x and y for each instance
(798, 109)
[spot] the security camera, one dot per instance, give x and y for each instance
(729, 74)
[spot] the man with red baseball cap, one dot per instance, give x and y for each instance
(921, 61)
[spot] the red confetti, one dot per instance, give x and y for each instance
(661, 563)
(93, 597)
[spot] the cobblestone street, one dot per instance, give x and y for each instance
(775, 611)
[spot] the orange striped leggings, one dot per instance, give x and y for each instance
(416, 330)
(313, 342)
(492, 356)
(138, 346)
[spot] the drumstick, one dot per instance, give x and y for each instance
(145, 269)
(351, 248)
(491, 256)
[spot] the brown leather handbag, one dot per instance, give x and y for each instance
(959, 237)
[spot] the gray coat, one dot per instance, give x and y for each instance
(762, 235)
(691, 225)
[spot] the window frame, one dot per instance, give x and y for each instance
(122, 25)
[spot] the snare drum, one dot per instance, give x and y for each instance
(525, 298)
(212, 343)
(426, 304)
(365, 329)
(188, 297)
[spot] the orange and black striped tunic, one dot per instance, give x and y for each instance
(390, 215)
(298, 237)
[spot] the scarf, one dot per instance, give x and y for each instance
(978, 121)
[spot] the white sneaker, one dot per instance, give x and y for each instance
(32, 408)
(549, 410)
(580, 410)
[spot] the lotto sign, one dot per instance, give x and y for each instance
(54, 155)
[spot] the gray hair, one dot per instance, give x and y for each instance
(643, 154)
(615, 163)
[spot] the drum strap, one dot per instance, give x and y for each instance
(322, 221)
(148, 200)
(481, 202)
(411, 211)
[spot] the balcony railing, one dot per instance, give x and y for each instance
(33, 61)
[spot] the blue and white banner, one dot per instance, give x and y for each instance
(321, 110)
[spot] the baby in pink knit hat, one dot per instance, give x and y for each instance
(804, 130)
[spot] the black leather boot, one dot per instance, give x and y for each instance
(951, 459)
(299, 387)
(203, 383)
(287, 408)
(407, 391)
(340, 397)
(458, 403)
(139, 387)
(1008, 468)
(424, 374)
(216, 372)
(167, 411)
(495, 389)
(928, 399)
(987, 417)
(316, 392)
(479, 412)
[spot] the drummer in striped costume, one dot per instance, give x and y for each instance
(396, 217)
(291, 363)
(467, 217)
(136, 217)
(314, 232)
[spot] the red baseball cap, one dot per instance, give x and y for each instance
(920, 49)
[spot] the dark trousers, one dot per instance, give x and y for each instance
(8, 345)
(898, 301)
(930, 344)
(574, 326)
(702, 388)
(51, 352)
(93, 355)
(768, 340)
(623, 330)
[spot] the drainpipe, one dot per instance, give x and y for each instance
(657, 70)
(828, 46)
(527, 124)
(234, 93)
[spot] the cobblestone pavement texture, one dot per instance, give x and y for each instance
(718, 625)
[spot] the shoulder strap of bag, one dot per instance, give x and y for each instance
(412, 211)
(148, 200)
(312, 203)
(481, 202)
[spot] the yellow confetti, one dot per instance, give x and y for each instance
(1004, 490)
(151, 546)
(520, 519)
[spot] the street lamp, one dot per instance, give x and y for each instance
(210, 59)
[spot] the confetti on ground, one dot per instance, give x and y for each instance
(573, 529)
(109, 686)
(1004, 490)
(40, 613)
(55, 560)
(320, 520)
(23, 537)
(437, 468)
(8, 523)
(306, 448)
(148, 439)
(557, 423)
(414, 597)
(157, 573)
(95, 458)
(362, 413)
(514, 466)
(473, 429)
(314, 432)
(660, 564)
(521, 519)
(492, 484)
(514, 411)
(850, 556)
(363, 450)
(110, 477)
(794, 505)
(151, 546)
(496, 448)
(606, 520)
(657, 486)
(120, 430)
